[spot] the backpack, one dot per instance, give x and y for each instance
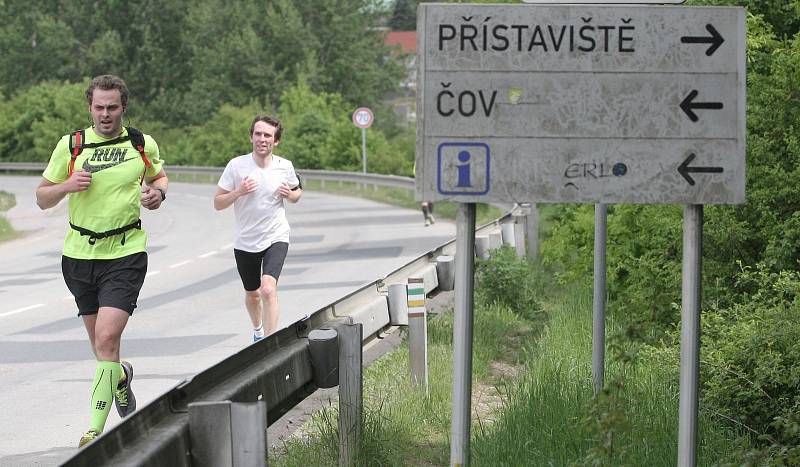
(76, 145)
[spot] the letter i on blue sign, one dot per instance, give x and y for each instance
(463, 168)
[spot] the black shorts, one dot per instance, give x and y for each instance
(252, 266)
(99, 283)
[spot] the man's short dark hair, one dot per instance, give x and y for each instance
(107, 83)
(270, 121)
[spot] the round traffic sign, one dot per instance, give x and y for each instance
(363, 117)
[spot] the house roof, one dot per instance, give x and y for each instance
(407, 40)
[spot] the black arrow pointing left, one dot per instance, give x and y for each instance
(685, 170)
(688, 105)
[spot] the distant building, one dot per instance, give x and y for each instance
(404, 102)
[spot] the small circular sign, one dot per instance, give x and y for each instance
(363, 117)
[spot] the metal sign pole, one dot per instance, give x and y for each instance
(599, 308)
(364, 149)
(690, 333)
(462, 334)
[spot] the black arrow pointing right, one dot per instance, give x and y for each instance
(688, 105)
(715, 40)
(685, 170)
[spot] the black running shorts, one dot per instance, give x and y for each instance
(252, 266)
(99, 283)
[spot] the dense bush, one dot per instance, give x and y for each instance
(508, 281)
(752, 356)
(32, 121)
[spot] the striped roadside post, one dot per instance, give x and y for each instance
(417, 332)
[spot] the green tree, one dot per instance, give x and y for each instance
(404, 16)
(32, 121)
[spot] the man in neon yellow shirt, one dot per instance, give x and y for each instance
(107, 171)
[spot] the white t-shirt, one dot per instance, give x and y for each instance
(260, 215)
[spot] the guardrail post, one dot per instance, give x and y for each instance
(495, 240)
(398, 304)
(227, 434)
(417, 333)
(481, 246)
(532, 231)
(446, 272)
(324, 347)
(350, 393)
(519, 233)
(507, 234)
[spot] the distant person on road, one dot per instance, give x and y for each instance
(427, 207)
(258, 184)
(427, 213)
(107, 171)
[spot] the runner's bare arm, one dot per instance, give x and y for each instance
(224, 198)
(49, 194)
(156, 186)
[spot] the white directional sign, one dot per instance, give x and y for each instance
(532, 103)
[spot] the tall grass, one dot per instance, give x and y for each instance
(551, 418)
(546, 413)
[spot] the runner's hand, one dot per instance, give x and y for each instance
(151, 198)
(79, 181)
(248, 185)
(283, 190)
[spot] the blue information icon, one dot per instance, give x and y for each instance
(463, 169)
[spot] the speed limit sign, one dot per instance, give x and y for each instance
(363, 117)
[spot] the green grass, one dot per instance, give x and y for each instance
(7, 201)
(402, 425)
(546, 415)
(549, 419)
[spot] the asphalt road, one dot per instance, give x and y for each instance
(191, 313)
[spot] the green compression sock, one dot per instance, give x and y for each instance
(106, 377)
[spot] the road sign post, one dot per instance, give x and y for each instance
(363, 119)
(583, 104)
(462, 334)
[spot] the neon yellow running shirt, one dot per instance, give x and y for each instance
(113, 197)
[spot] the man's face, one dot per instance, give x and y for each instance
(106, 109)
(263, 139)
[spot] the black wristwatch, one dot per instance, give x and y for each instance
(163, 194)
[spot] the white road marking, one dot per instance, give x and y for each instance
(177, 265)
(20, 310)
(206, 255)
(152, 273)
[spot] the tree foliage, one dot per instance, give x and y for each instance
(183, 60)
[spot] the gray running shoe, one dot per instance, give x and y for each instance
(123, 397)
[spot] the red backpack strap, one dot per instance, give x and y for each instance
(137, 140)
(75, 147)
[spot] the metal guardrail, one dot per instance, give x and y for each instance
(394, 181)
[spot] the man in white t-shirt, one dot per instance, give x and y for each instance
(257, 184)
